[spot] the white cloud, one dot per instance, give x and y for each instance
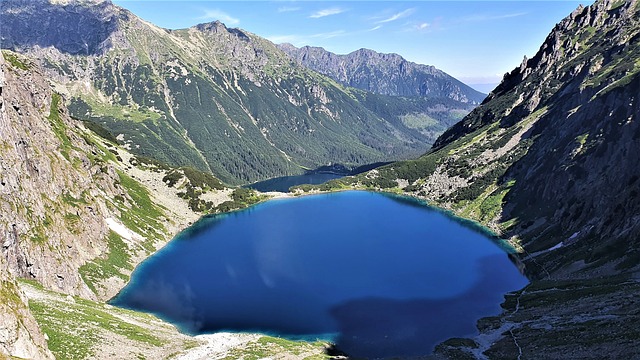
(301, 40)
(375, 28)
(422, 26)
(329, 35)
(486, 17)
(327, 12)
(288, 9)
(216, 14)
(397, 16)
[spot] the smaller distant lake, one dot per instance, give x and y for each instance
(378, 275)
(285, 182)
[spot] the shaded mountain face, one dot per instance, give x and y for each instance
(387, 74)
(218, 99)
(572, 108)
(72, 27)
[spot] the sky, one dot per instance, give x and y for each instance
(474, 41)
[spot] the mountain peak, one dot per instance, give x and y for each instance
(213, 26)
(387, 74)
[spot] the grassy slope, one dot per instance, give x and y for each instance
(83, 329)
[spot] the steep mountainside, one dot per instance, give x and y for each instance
(72, 219)
(217, 99)
(548, 161)
(387, 74)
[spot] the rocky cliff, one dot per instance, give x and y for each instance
(77, 213)
(387, 74)
(218, 99)
(548, 162)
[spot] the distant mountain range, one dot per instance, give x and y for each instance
(387, 74)
(218, 99)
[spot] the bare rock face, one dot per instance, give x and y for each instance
(20, 335)
(68, 27)
(387, 74)
(51, 193)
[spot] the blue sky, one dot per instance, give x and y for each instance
(475, 41)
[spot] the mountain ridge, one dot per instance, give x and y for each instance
(382, 73)
(214, 98)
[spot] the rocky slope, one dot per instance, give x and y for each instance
(77, 210)
(387, 74)
(548, 162)
(218, 99)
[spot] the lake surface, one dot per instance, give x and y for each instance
(285, 182)
(376, 274)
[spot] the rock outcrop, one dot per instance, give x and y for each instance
(76, 215)
(51, 193)
(20, 335)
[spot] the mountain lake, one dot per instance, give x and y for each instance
(377, 275)
(283, 183)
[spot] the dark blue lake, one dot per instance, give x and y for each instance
(377, 275)
(285, 182)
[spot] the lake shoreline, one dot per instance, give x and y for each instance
(394, 195)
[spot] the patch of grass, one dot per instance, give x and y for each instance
(509, 224)
(74, 327)
(111, 265)
(38, 228)
(72, 221)
(9, 296)
(58, 126)
(63, 342)
(143, 216)
(242, 198)
(617, 4)
(418, 121)
(69, 199)
(122, 112)
(15, 61)
(491, 206)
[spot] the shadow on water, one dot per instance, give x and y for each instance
(373, 328)
(208, 222)
(470, 224)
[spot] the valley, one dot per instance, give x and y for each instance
(116, 135)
